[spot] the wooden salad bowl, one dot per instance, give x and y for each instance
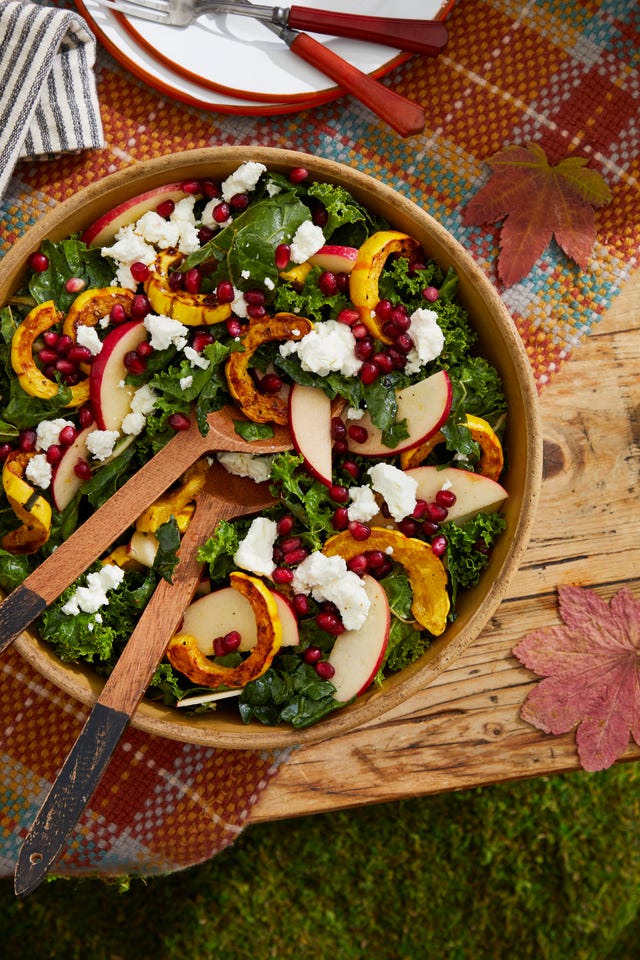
(499, 342)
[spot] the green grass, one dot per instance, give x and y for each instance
(546, 869)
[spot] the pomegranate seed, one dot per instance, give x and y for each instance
(285, 525)
(75, 284)
(300, 604)
(298, 174)
(210, 189)
(140, 306)
(82, 470)
(79, 354)
(282, 256)
(38, 262)
(117, 314)
(352, 468)
(5, 450)
(383, 310)
(312, 654)
(65, 367)
(282, 575)
(328, 284)
(256, 311)
(359, 530)
(179, 421)
(133, 363)
(239, 201)
(290, 543)
(364, 348)
(320, 216)
(409, 527)
(348, 316)
(340, 447)
(431, 294)
(398, 359)
(445, 498)
(191, 186)
(338, 429)
(205, 234)
(420, 510)
(50, 371)
(85, 416)
(225, 292)
(166, 208)
(254, 297)
(403, 343)
(50, 337)
(71, 379)
(359, 331)
(415, 266)
(139, 271)
(436, 513)
(144, 350)
(294, 557)
(324, 669)
(67, 435)
(383, 362)
(439, 545)
(340, 518)
(390, 330)
(176, 280)
(358, 564)
(344, 282)
(54, 454)
(375, 559)
(221, 212)
(193, 280)
(271, 383)
(339, 493)
(357, 433)
(201, 340)
(47, 355)
(234, 327)
(368, 373)
(429, 528)
(330, 623)
(63, 345)
(400, 318)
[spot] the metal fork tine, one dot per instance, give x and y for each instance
(140, 8)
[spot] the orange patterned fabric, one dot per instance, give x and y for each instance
(562, 74)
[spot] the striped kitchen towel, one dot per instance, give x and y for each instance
(48, 98)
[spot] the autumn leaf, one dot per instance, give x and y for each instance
(591, 667)
(537, 202)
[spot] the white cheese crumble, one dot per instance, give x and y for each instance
(48, 432)
(328, 578)
(195, 359)
(165, 332)
(354, 413)
(100, 443)
(141, 405)
(306, 241)
(396, 488)
(363, 506)
(129, 248)
(255, 552)
(239, 304)
(329, 347)
(186, 382)
(247, 465)
(242, 180)
(38, 471)
(90, 598)
(428, 339)
(88, 337)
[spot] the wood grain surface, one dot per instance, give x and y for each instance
(464, 729)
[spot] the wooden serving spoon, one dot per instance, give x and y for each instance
(95, 535)
(223, 496)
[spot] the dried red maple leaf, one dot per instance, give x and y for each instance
(591, 667)
(539, 201)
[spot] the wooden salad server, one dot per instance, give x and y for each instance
(68, 561)
(223, 496)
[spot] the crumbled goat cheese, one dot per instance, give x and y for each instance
(165, 332)
(239, 304)
(243, 180)
(186, 382)
(245, 274)
(100, 443)
(273, 189)
(247, 465)
(428, 339)
(328, 578)
(329, 347)
(269, 284)
(88, 337)
(128, 248)
(142, 403)
(396, 488)
(307, 240)
(48, 432)
(89, 599)
(354, 413)
(157, 230)
(38, 471)
(195, 359)
(133, 424)
(255, 552)
(363, 504)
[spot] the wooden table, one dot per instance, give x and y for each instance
(464, 729)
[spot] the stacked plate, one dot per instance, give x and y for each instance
(235, 64)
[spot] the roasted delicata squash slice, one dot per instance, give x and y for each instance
(90, 306)
(175, 501)
(491, 461)
(363, 282)
(192, 309)
(257, 406)
(426, 572)
(33, 510)
(31, 378)
(184, 654)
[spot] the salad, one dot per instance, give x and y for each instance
(287, 298)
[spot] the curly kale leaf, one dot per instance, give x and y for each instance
(290, 692)
(468, 549)
(306, 498)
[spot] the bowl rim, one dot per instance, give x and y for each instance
(77, 681)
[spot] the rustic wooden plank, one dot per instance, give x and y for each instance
(464, 729)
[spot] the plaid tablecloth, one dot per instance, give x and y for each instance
(563, 73)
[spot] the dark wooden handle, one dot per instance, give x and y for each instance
(417, 36)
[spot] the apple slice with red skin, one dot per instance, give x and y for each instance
(65, 483)
(224, 610)
(335, 258)
(474, 492)
(102, 232)
(357, 654)
(310, 426)
(110, 399)
(424, 405)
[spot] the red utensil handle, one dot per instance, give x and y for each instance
(404, 116)
(418, 36)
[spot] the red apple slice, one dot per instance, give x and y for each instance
(334, 258)
(110, 397)
(310, 426)
(424, 405)
(64, 483)
(224, 610)
(474, 492)
(357, 654)
(102, 232)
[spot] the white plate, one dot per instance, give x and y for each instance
(232, 62)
